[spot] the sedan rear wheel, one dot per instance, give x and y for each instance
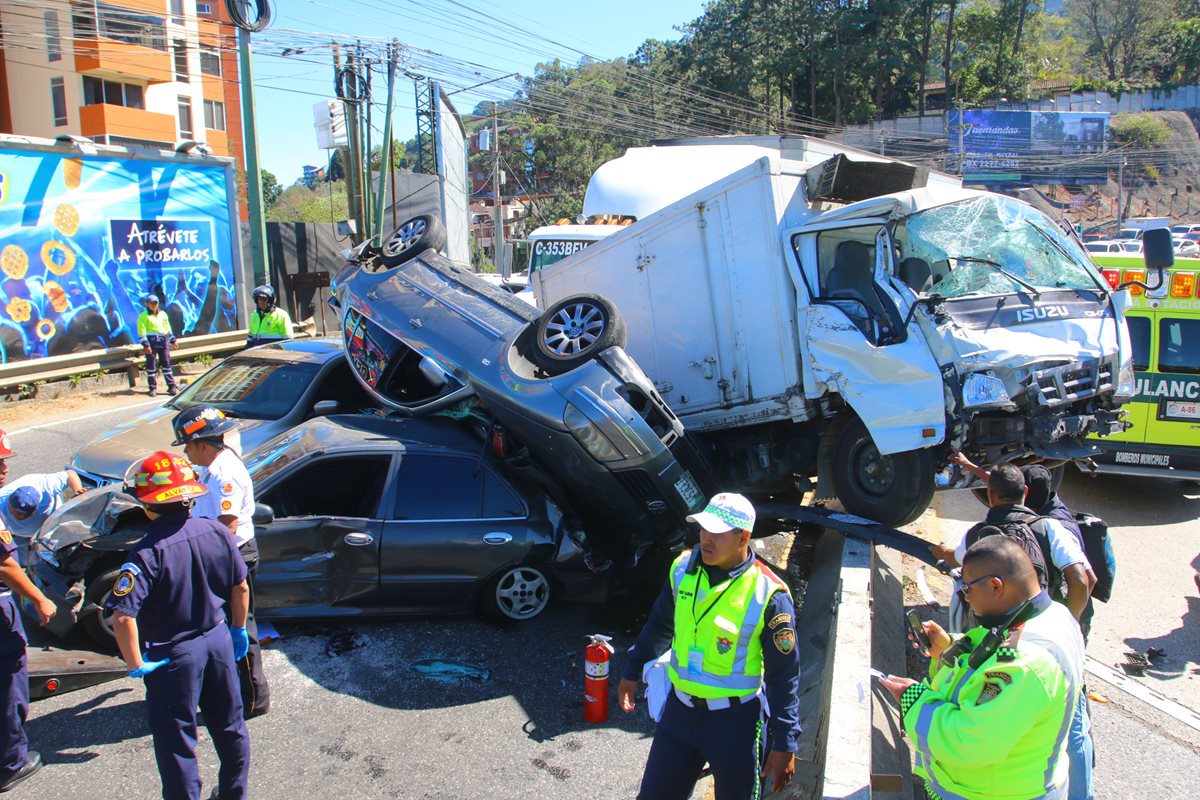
(414, 236)
(519, 593)
(574, 330)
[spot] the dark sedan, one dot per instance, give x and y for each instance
(269, 388)
(358, 515)
(429, 337)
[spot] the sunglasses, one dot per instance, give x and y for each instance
(966, 587)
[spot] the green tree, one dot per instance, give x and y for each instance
(1125, 38)
(1140, 131)
(271, 189)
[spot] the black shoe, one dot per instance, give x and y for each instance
(32, 764)
(154, 393)
(172, 391)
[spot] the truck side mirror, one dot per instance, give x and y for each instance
(1157, 250)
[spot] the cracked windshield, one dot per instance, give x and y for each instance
(988, 245)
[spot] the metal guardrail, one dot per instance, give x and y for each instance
(115, 358)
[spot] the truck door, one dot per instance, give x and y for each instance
(855, 340)
(1173, 413)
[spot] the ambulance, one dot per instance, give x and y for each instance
(1164, 325)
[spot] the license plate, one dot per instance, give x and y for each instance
(689, 491)
(1183, 410)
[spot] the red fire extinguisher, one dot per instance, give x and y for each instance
(595, 678)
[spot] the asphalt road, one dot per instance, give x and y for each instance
(457, 708)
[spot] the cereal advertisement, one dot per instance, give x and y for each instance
(84, 238)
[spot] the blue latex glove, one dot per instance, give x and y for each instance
(241, 643)
(147, 667)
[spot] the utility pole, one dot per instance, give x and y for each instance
(386, 161)
(350, 159)
(1120, 190)
(254, 191)
(497, 195)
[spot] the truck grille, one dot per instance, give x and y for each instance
(1066, 384)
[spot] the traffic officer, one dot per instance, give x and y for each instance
(229, 500)
(17, 761)
(991, 721)
(157, 340)
(169, 596)
(730, 624)
(268, 322)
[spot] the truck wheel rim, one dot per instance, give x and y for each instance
(522, 593)
(404, 236)
(573, 329)
(876, 473)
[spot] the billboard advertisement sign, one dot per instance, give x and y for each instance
(84, 237)
(1021, 148)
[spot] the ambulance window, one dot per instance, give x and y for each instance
(1139, 332)
(1179, 346)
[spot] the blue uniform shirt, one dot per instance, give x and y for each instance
(12, 632)
(782, 670)
(178, 578)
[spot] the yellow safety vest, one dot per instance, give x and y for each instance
(274, 325)
(717, 649)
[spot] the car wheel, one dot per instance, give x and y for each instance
(99, 623)
(519, 593)
(575, 329)
(416, 235)
(892, 489)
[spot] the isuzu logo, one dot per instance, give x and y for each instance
(1042, 312)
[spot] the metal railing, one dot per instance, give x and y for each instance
(115, 358)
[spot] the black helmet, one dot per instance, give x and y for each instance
(200, 422)
(266, 290)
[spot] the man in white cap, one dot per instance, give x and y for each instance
(730, 624)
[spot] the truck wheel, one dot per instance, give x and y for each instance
(414, 236)
(893, 489)
(575, 329)
(98, 623)
(519, 593)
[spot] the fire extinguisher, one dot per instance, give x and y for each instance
(595, 678)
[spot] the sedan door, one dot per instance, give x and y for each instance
(454, 523)
(320, 555)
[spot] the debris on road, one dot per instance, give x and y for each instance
(451, 671)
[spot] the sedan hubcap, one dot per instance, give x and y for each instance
(407, 234)
(522, 593)
(574, 329)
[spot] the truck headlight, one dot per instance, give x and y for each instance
(981, 389)
(590, 436)
(1126, 380)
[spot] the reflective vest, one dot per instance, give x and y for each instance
(1000, 731)
(153, 325)
(717, 649)
(273, 325)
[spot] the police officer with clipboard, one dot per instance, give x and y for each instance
(730, 624)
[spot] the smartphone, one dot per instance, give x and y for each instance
(918, 630)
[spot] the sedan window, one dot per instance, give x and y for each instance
(331, 487)
(447, 487)
(251, 388)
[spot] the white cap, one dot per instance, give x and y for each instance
(725, 512)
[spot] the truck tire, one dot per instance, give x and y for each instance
(574, 330)
(98, 622)
(893, 489)
(414, 236)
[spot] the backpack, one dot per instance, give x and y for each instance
(1097, 546)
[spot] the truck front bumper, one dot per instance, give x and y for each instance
(1059, 437)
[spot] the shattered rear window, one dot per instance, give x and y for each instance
(992, 245)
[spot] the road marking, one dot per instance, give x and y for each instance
(1143, 693)
(85, 416)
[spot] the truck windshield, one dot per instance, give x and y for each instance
(991, 245)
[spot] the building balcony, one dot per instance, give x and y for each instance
(116, 58)
(132, 123)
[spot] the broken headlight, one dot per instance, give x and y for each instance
(1126, 380)
(983, 389)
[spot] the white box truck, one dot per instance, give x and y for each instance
(826, 312)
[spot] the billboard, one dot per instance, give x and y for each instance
(1021, 148)
(84, 237)
(452, 170)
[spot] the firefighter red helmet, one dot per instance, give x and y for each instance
(5, 445)
(163, 478)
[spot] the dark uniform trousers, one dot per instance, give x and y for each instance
(201, 673)
(14, 680)
(731, 740)
(256, 692)
(160, 353)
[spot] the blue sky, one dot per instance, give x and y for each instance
(455, 38)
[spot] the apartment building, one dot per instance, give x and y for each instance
(123, 72)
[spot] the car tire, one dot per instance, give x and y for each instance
(97, 622)
(893, 489)
(574, 330)
(415, 235)
(518, 593)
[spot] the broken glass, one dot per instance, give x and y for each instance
(992, 245)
